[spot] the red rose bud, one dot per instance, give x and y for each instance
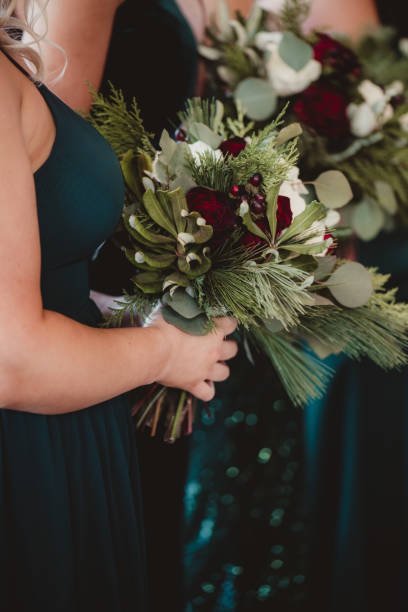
(284, 214)
(214, 207)
(333, 54)
(233, 146)
(324, 109)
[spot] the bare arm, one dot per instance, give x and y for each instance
(351, 17)
(83, 29)
(49, 363)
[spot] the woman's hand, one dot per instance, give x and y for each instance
(195, 363)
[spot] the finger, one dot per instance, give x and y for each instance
(229, 349)
(220, 372)
(226, 325)
(204, 391)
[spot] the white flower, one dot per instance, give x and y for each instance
(404, 121)
(375, 110)
(199, 148)
(268, 41)
(292, 188)
(332, 218)
(272, 6)
(285, 80)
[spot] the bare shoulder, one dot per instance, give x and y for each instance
(11, 92)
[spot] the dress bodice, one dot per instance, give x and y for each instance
(80, 194)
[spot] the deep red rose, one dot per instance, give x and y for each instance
(333, 54)
(323, 108)
(233, 146)
(284, 214)
(215, 208)
(284, 218)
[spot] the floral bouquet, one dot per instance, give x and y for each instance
(351, 103)
(214, 225)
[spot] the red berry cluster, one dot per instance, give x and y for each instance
(251, 193)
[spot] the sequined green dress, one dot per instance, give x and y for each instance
(71, 535)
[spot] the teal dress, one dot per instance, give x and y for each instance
(356, 442)
(153, 57)
(71, 534)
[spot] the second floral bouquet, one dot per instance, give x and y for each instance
(215, 225)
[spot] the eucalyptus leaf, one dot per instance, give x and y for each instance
(295, 52)
(287, 133)
(367, 219)
(182, 303)
(325, 267)
(257, 97)
(351, 285)
(199, 326)
(386, 197)
(205, 134)
(333, 189)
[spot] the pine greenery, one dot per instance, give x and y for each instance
(121, 126)
(293, 14)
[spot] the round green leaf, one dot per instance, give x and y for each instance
(351, 285)
(182, 303)
(386, 196)
(257, 97)
(333, 189)
(199, 326)
(367, 219)
(295, 52)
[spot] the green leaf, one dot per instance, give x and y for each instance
(137, 230)
(133, 169)
(210, 53)
(308, 249)
(176, 279)
(194, 264)
(249, 223)
(182, 303)
(205, 134)
(153, 260)
(325, 267)
(351, 285)
(257, 98)
(155, 210)
(253, 23)
(295, 52)
(333, 189)
(287, 133)
(386, 197)
(367, 219)
(271, 208)
(179, 207)
(303, 222)
(197, 230)
(149, 282)
(199, 326)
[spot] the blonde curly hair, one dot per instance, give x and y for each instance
(24, 17)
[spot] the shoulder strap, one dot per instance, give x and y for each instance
(17, 65)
